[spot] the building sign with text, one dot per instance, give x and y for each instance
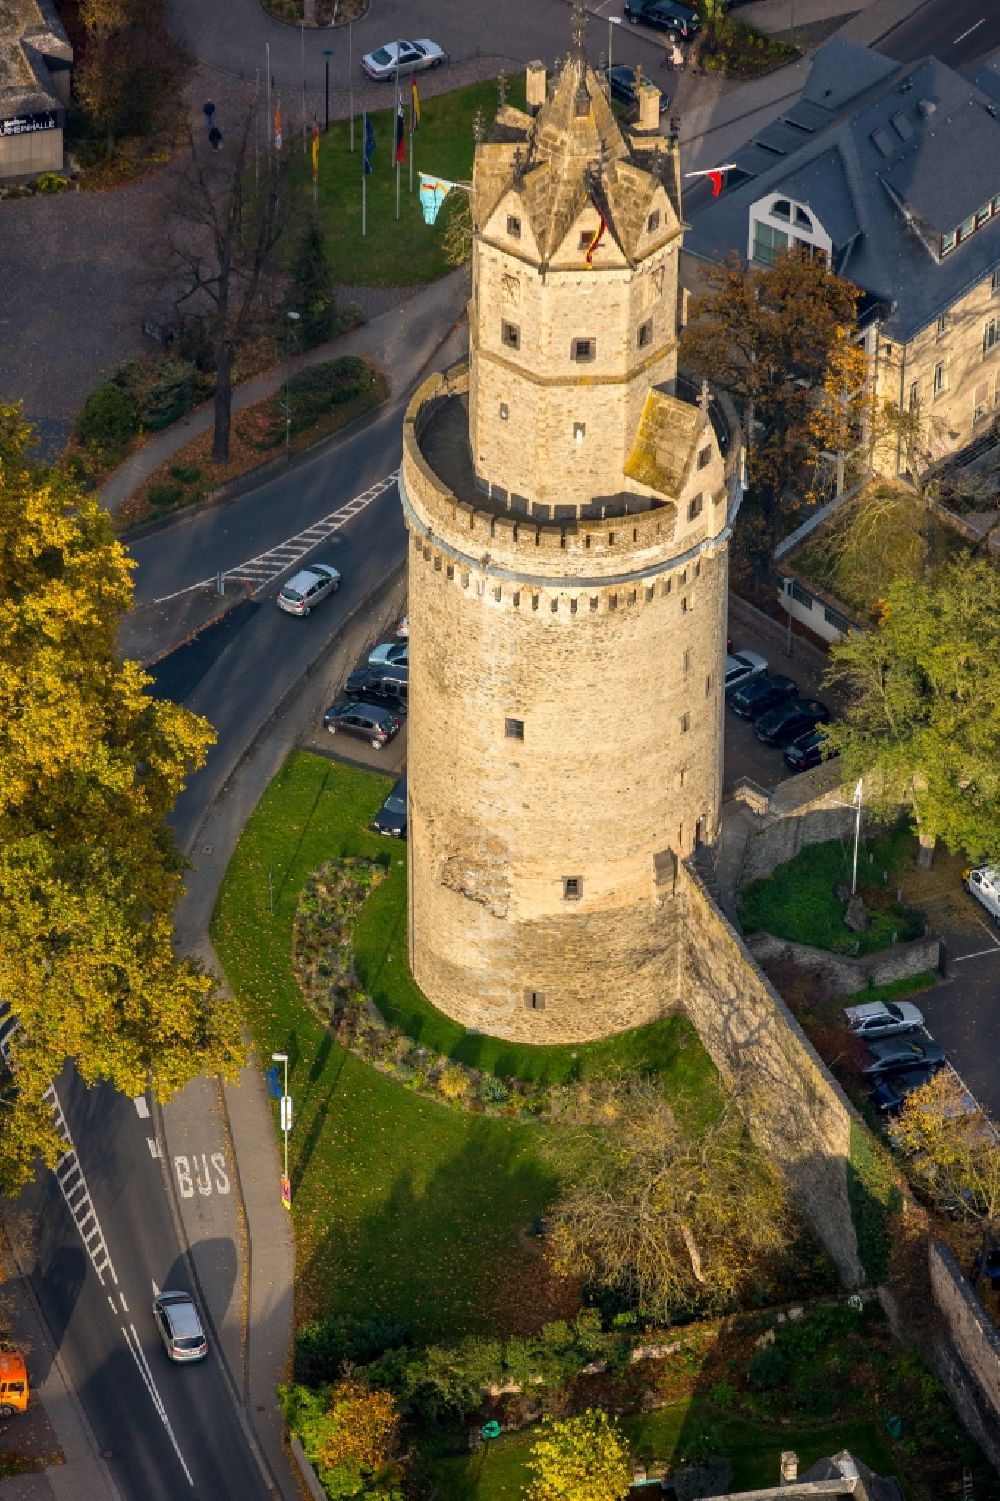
(22, 125)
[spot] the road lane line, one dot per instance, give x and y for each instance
(153, 1145)
(267, 566)
(141, 1107)
(979, 954)
(124, 1304)
(73, 1187)
(142, 1365)
(969, 32)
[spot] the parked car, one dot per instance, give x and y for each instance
(742, 664)
(15, 1391)
(664, 15)
(789, 721)
(984, 884)
(763, 691)
(382, 685)
(624, 85)
(403, 628)
(371, 722)
(874, 1019)
(307, 588)
(180, 1327)
(390, 653)
(391, 817)
(889, 1094)
(808, 751)
(403, 57)
(896, 1054)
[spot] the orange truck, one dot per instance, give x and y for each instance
(13, 1383)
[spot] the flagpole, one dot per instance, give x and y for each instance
(270, 116)
(395, 134)
(364, 175)
(411, 145)
(350, 74)
(303, 88)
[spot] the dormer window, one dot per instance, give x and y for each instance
(948, 242)
(802, 218)
(513, 226)
(781, 209)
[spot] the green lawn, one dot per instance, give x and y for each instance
(401, 1205)
(407, 251)
(798, 899)
(754, 1450)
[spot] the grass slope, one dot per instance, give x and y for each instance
(407, 251)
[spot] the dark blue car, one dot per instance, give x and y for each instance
(758, 694)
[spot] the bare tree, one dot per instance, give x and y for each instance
(225, 221)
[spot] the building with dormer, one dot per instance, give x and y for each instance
(569, 517)
(892, 173)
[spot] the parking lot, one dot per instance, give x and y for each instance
(963, 1012)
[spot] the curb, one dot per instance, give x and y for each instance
(330, 25)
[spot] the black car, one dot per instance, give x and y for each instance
(889, 1095)
(898, 1054)
(624, 86)
(789, 721)
(384, 685)
(391, 817)
(762, 692)
(808, 751)
(665, 15)
(372, 722)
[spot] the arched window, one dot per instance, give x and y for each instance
(781, 209)
(802, 218)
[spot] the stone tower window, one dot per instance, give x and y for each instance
(644, 335)
(685, 723)
(510, 335)
(579, 431)
(534, 1000)
(584, 349)
(586, 238)
(514, 729)
(504, 411)
(705, 456)
(708, 684)
(572, 888)
(653, 222)
(694, 507)
(513, 226)
(687, 660)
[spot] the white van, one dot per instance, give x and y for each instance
(984, 883)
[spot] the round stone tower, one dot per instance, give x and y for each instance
(569, 515)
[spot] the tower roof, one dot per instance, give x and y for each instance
(571, 153)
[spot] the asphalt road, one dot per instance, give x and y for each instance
(169, 1431)
(958, 32)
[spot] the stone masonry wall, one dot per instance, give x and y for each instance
(803, 810)
(796, 1110)
(968, 1359)
(844, 974)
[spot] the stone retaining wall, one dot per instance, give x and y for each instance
(846, 975)
(968, 1358)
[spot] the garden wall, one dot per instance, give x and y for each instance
(844, 974)
(796, 1111)
(968, 1357)
(801, 810)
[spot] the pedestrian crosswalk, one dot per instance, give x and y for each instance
(257, 572)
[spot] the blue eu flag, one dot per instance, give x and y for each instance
(369, 144)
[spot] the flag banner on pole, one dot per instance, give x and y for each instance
(433, 192)
(315, 151)
(369, 151)
(599, 236)
(400, 134)
(277, 126)
(414, 105)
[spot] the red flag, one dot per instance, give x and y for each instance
(716, 175)
(400, 134)
(597, 238)
(315, 151)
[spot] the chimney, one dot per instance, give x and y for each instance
(789, 1466)
(534, 86)
(649, 106)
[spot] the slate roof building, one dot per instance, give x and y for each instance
(35, 64)
(893, 173)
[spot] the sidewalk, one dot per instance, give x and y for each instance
(399, 341)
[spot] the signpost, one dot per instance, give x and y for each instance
(488, 1432)
(286, 1126)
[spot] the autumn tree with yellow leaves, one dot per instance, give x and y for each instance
(584, 1458)
(90, 767)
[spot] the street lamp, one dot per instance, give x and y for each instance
(293, 318)
(327, 53)
(286, 1126)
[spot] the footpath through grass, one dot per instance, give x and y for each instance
(408, 251)
(401, 1205)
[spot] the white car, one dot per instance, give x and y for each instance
(179, 1325)
(742, 665)
(984, 884)
(403, 628)
(883, 1019)
(307, 588)
(403, 57)
(390, 654)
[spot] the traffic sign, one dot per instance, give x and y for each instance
(286, 1112)
(286, 1191)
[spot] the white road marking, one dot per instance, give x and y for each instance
(193, 1173)
(122, 1296)
(72, 1183)
(142, 1364)
(969, 31)
(153, 1145)
(141, 1107)
(979, 954)
(262, 570)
